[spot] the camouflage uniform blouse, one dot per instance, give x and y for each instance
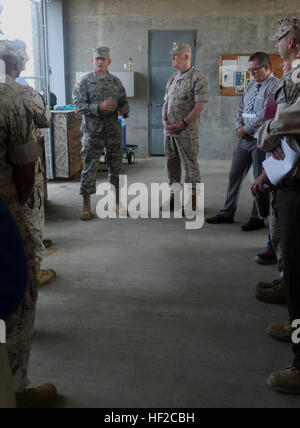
(182, 92)
(92, 90)
(21, 110)
(286, 95)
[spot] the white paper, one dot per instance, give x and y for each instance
(276, 170)
(228, 79)
(249, 118)
(243, 63)
(240, 89)
(229, 65)
(249, 115)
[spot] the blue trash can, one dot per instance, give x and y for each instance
(123, 124)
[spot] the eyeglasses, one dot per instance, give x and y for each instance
(254, 70)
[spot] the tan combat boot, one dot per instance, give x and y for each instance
(120, 209)
(169, 205)
(286, 381)
(42, 397)
(281, 332)
(86, 209)
(271, 292)
(45, 276)
(191, 205)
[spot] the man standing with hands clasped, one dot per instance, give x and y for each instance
(250, 116)
(186, 95)
(100, 97)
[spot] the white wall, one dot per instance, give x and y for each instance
(223, 26)
(56, 50)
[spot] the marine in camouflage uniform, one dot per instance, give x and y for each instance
(20, 111)
(286, 95)
(34, 211)
(99, 98)
(186, 91)
(287, 198)
(34, 208)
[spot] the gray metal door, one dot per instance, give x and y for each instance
(161, 43)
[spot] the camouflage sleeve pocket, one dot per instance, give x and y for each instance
(24, 154)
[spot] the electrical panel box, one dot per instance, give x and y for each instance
(127, 79)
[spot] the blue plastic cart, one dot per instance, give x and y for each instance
(128, 149)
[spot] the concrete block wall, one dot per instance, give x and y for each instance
(223, 26)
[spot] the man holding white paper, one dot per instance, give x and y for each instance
(280, 137)
(250, 116)
(276, 169)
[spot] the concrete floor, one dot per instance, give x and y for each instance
(147, 314)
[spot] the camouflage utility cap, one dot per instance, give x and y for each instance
(102, 52)
(285, 26)
(179, 48)
(13, 50)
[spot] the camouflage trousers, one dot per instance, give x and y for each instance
(92, 150)
(7, 397)
(182, 152)
(19, 330)
(275, 231)
(34, 212)
(20, 325)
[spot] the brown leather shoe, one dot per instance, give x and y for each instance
(286, 381)
(271, 292)
(281, 332)
(42, 397)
